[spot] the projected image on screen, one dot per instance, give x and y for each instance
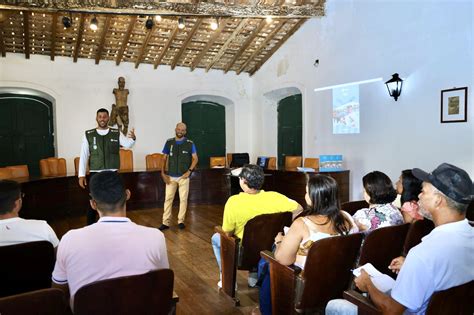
(345, 109)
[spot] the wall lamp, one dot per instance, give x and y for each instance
(394, 86)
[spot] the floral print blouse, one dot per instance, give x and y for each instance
(378, 216)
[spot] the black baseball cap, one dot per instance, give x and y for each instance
(450, 180)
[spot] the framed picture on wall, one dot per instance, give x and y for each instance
(454, 105)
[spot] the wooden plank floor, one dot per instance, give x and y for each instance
(192, 260)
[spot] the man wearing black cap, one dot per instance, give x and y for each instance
(443, 259)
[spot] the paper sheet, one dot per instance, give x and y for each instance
(381, 281)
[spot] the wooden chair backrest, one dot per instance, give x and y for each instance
(229, 159)
(53, 167)
(416, 232)
(26, 267)
(46, 301)
(5, 173)
(149, 293)
(217, 161)
(259, 234)
(126, 160)
(311, 162)
(351, 207)
(292, 162)
(456, 300)
(154, 162)
(272, 163)
(382, 245)
(18, 171)
(327, 271)
(76, 166)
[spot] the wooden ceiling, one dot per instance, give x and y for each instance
(242, 42)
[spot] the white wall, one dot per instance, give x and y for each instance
(430, 43)
(79, 89)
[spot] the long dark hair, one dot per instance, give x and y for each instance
(411, 187)
(323, 193)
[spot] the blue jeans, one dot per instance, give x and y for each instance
(216, 247)
(341, 307)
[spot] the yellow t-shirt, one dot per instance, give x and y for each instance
(243, 207)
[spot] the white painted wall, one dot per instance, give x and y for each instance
(430, 43)
(155, 99)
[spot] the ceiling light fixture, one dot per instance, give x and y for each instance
(181, 23)
(67, 22)
(214, 24)
(149, 24)
(269, 19)
(94, 24)
(158, 18)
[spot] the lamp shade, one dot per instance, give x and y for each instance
(394, 86)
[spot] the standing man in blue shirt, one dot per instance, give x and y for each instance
(181, 157)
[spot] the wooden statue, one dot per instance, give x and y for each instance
(119, 113)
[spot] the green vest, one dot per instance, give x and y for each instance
(104, 150)
(180, 157)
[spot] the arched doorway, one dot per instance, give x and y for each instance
(290, 127)
(206, 127)
(26, 130)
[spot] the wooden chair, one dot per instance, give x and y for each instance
(5, 173)
(311, 162)
(40, 302)
(326, 275)
(126, 160)
(16, 171)
(382, 245)
(154, 162)
(53, 166)
(351, 207)
(217, 161)
(149, 293)
(76, 166)
(416, 232)
(272, 163)
(292, 162)
(456, 300)
(26, 267)
(259, 234)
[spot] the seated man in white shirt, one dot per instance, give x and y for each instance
(113, 247)
(441, 261)
(15, 230)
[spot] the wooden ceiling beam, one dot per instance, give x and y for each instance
(2, 43)
(143, 48)
(246, 44)
(186, 42)
(263, 44)
(26, 33)
(241, 9)
(211, 41)
(102, 39)
(125, 40)
(80, 32)
(221, 52)
(278, 45)
(165, 48)
(53, 36)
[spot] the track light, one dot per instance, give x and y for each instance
(214, 24)
(269, 19)
(67, 22)
(181, 23)
(149, 24)
(158, 18)
(94, 24)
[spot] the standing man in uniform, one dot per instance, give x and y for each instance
(101, 146)
(180, 153)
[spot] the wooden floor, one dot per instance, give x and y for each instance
(192, 260)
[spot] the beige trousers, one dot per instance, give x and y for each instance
(183, 186)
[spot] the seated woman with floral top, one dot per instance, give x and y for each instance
(409, 187)
(379, 194)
